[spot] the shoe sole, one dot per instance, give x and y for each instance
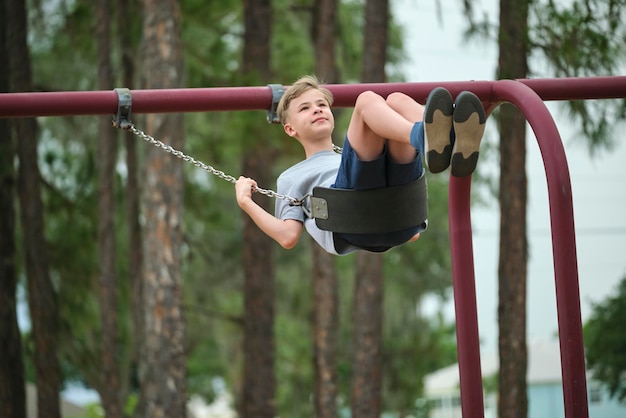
(437, 126)
(469, 127)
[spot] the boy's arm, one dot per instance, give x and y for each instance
(285, 232)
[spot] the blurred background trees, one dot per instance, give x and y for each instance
(605, 342)
(135, 324)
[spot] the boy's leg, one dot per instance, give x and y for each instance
(409, 109)
(373, 121)
(469, 126)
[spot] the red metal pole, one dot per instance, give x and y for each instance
(464, 285)
(578, 88)
(77, 103)
(563, 241)
(143, 101)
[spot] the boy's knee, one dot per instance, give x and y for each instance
(365, 98)
(397, 99)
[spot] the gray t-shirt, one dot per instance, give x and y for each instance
(320, 169)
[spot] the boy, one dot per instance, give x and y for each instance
(384, 145)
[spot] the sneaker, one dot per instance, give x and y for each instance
(469, 126)
(437, 127)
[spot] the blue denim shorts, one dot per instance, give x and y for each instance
(381, 172)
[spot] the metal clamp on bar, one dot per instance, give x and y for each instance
(124, 104)
(277, 93)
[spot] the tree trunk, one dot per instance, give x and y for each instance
(324, 39)
(325, 332)
(12, 385)
(367, 337)
(325, 284)
(512, 267)
(126, 9)
(259, 382)
(375, 36)
(367, 385)
(163, 374)
(42, 297)
(109, 387)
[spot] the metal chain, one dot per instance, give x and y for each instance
(270, 193)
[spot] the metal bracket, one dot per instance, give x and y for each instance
(277, 93)
(319, 208)
(124, 104)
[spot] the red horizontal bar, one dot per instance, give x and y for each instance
(143, 101)
(260, 98)
(549, 89)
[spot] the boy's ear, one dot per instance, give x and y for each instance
(289, 130)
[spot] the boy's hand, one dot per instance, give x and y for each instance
(285, 232)
(243, 190)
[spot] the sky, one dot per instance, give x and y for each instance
(438, 52)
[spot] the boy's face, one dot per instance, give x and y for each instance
(309, 117)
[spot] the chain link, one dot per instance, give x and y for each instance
(218, 173)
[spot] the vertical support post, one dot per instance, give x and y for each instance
(563, 241)
(464, 283)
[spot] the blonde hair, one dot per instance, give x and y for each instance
(300, 86)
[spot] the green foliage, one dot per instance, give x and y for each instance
(292, 53)
(212, 263)
(581, 38)
(71, 228)
(584, 38)
(490, 383)
(293, 344)
(574, 39)
(94, 411)
(212, 39)
(64, 49)
(349, 49)
(605, 342)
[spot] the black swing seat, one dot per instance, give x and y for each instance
(373, 211)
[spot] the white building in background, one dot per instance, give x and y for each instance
(68, 409)
(545, 391)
